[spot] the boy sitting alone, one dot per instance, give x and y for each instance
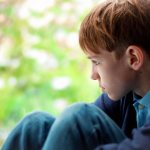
(115, 37)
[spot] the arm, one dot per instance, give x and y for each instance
(140, 141)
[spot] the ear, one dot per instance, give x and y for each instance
(134, 57)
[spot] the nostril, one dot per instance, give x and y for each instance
(95, 76)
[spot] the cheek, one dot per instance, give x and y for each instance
(106, 80)
(120, 85)
(113, 80)
(107, 75)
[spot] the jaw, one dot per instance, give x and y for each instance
(142, 85)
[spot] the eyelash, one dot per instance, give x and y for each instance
(95, 62)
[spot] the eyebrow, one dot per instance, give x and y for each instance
(93, 57)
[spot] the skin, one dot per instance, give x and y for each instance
(117, 77)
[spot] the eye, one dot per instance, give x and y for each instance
(95, 62)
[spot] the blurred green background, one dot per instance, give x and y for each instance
(41, 64)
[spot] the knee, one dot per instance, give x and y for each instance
(81, 109)
(75, 110)
(35, 121)
(74, 113)
(38, 116)
(80, 113)
(33, 127)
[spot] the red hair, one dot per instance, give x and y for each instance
(116, 24)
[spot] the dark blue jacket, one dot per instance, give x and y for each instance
(123, 113)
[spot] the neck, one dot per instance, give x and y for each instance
(143, 81)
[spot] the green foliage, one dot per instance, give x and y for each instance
(41, 64)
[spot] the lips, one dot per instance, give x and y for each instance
(102, 87)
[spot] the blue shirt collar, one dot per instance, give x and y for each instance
(144, 101)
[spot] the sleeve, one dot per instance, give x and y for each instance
(140, 140)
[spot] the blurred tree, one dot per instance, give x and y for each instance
(41, 64)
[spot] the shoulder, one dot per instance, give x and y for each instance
(104, 102)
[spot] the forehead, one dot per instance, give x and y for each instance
(103, 54)
(91, 54)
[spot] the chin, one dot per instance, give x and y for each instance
(113, 97)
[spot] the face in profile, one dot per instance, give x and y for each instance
(114, 76)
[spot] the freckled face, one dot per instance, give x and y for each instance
(114, 75)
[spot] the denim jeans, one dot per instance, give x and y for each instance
(79, 127)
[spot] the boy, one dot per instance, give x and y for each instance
(115, 37)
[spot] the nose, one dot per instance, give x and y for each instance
(94, 74)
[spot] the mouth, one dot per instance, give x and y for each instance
(102, 88)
